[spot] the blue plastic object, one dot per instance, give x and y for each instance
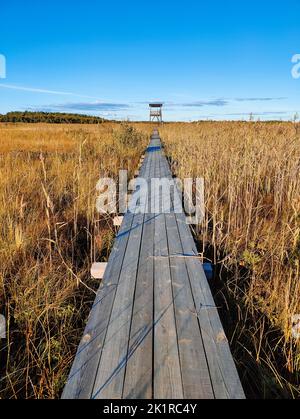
(153, 148)
(209, 270)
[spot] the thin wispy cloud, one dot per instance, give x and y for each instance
(223, 101)
(246, 114)
(199, 103)
(43, 91)
(96, 106)
(259, 99)
(256, 113)
(86, 107)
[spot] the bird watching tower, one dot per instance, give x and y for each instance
(156, 112)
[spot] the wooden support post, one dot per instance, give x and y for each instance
(98, 270)
(118, 221)
(191, 220)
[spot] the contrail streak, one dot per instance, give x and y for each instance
(44, 91)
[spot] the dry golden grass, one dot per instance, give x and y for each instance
(50, 233)
(251, 230)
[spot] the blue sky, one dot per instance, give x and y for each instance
(204, 60)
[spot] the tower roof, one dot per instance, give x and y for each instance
(156, 105)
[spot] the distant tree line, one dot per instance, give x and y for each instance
(50, 117)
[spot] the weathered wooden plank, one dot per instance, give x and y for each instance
(225, 380)
(83, 372)
(82, 375)
(195, 373)
(154, 330)
(111, 371)
(167, 370)
(139, 366)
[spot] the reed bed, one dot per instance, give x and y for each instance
(50, 233)
(251, 233)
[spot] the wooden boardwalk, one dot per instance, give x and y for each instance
(154, 330)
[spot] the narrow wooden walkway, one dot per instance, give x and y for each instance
(154, 330)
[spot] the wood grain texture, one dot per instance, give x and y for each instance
(154, 330)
